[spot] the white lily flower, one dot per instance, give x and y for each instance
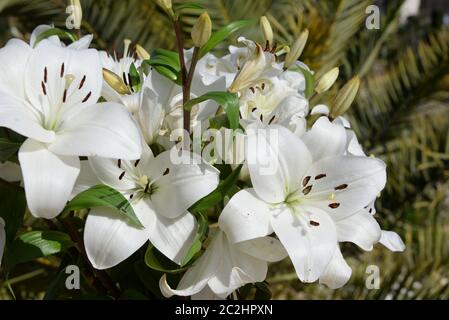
(314, 189)
(160, 193)
(225, 267)
(82, 43)
(2, 238)
(121, 67)
(49, 95)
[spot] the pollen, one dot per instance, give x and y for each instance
(334, 205)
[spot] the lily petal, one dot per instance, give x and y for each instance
(14, 56)
(392, 241)
(110, 239)
(277, 159)
(246, 217)
(85, 180)
(266, 249)
(337, 273)
(325, 139)
(181, 185)
(360, 228)
(105, 130)
(310, 247)
(174, 237)
(48, 178)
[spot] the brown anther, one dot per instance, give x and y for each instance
(119, 163)
(261, 118)
(147, 187)
(263, 85)
(87, 97)
(252, 90)
(61, 74)
(129, 80)
(124, 78)
(136, 163)
(334, 205)
(341, 187)
(272, 119)
(131, 196)
(64, 96)
(253, 109)
(167, 171)
(320, 176)
(305, 181)
(82, 83)
(306, 190)
(44, 90)
(120, 177)
(314, 223)
(45, 74)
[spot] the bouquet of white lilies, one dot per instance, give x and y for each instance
(207, 168)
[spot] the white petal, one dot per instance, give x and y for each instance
(364, 177)
(235, 269)
(74, 65)
(337, 272)
(86, 179)
(17, 115)
(151, 115)
(10, 171)
(110, 239)
(266, 248)
(360, 228)
(2, 238)
(108, 172)
(310, 247)
(206, 294)
(276, 159)
(104, 129)
(392, 241)
(82, 43)
(197, 276)
(320, 109)
(14, 56)
(40, 29)
(325, 139)
(182, 186)
(246, 217)
(174, 237)
(48, 178)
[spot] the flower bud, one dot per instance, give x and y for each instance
(267, 31)
(115, 82)
(76, 13)
(327, 80)
(345, 97)
(296, 49)
(250, 71)
(142, 53)
(167, 6)
(202, 30)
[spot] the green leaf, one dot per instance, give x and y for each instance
(104, 196)
(8, 148)
(135, 78)
(157, 261)
(63, 34)
(12, 210)
(36, 244)
(218, 194)
(188, 5)
(220, 35)
(310, 80)
(218, 122)
(229, 102)
(203, 226)
(165, 62)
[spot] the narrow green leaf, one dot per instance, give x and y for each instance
(199, 237)
(218, 194)
(229, 102)
(64, 34)
(157, 261)
(220, 35)
(165, 62)
(310, 80)
(36, 244)
(188, 5)
(104, 196)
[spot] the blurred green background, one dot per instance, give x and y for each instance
(401, 115)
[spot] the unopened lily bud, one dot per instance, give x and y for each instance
(251, 71)
(296, 50)
(202, 30)
(76, 14)
(345, 97)
(142, 53)
(267, 31)
(167, 6)
(115, 82)
(327, 81)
